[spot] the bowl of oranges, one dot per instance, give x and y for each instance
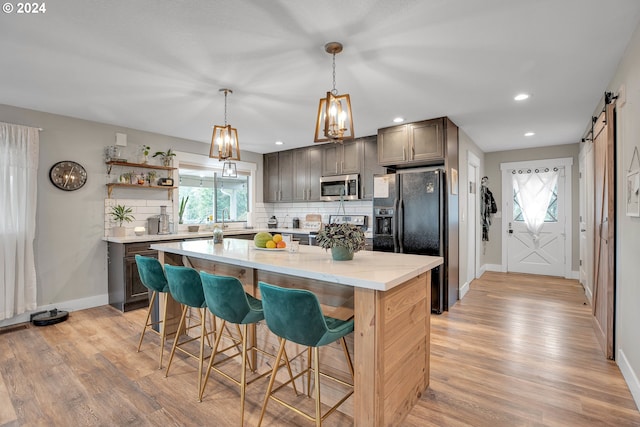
(268, 241)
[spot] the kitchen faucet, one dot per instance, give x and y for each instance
(223, 211)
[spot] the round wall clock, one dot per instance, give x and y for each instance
(68, 175)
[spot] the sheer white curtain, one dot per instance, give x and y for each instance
(18, 183)
(533, 192)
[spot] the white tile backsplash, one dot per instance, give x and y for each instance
(288, 211)
(142, 209)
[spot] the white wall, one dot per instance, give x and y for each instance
(627, 339)
(71, 258)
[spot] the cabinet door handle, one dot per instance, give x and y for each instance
(341, 166)
(336, 167)
(404, 155)
(413, 151)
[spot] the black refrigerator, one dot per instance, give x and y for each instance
(410, 216)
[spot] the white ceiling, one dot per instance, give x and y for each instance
(157, 65)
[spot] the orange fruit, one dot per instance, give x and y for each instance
(270, 244)
(281, 244)
(277, 238)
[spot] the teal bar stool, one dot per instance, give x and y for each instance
(153, 278)
(295, 315)
(227, 300)
(186, 288)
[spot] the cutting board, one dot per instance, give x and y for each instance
(313, 218)
(313, 221)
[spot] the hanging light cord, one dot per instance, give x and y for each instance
(225, 107)
(334, 91)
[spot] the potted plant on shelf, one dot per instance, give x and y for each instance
(182, 207)
(144, 153)
(343, 240)
(120, 214)
(151, 177)
(166, 156)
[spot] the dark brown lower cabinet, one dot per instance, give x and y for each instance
(126, 291)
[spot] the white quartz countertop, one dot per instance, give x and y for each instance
(201, 234)
(369, 269)
(208, 234)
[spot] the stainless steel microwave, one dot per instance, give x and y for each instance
(345, 187)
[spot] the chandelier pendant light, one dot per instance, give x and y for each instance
(224, 141)
(334, 121)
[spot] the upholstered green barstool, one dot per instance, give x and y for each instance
(153, 278)
(227, 300)
(186, 288)
(295, 315)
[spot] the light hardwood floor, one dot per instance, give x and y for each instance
(519, 350)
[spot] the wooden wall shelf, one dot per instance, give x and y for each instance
(138, 165)
(110, 186)
(141, 187)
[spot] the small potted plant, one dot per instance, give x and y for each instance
(166, 156)
(144, 153)
(120, 214)
(343, 240)
(151, 177)
(182, 207)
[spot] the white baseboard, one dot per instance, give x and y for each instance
(464, 289)
(495, 267)
(72, 305)
(587, 293)
(573, 275)
(630, 377)
(483, 268)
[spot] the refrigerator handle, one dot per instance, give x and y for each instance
(400, 222)
(394, 226)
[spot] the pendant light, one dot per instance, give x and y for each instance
(224, 143)
(334, 121)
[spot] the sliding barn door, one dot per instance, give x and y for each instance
(604, 220)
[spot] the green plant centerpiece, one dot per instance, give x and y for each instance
(165, 156)
(343, 240)
(182, 207)
(120, 214)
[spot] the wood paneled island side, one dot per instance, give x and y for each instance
(388, 294)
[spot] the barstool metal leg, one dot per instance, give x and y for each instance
(243, 374)
(163, 330)
(272, 380)
(146, 322)
(316, 386)
(175, 340)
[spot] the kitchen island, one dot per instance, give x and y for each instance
(388, 294)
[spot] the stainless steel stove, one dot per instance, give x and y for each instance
(360, 220)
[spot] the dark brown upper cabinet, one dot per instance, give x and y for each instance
(419, 143)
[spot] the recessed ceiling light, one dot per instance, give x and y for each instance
(529, 134)
(398, 120)
(279, 143)
(521, 96)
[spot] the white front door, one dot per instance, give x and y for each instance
(543, 252)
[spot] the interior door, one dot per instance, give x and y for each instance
(545, 253)
(472, 220)
(604, 218)
(586, 216)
